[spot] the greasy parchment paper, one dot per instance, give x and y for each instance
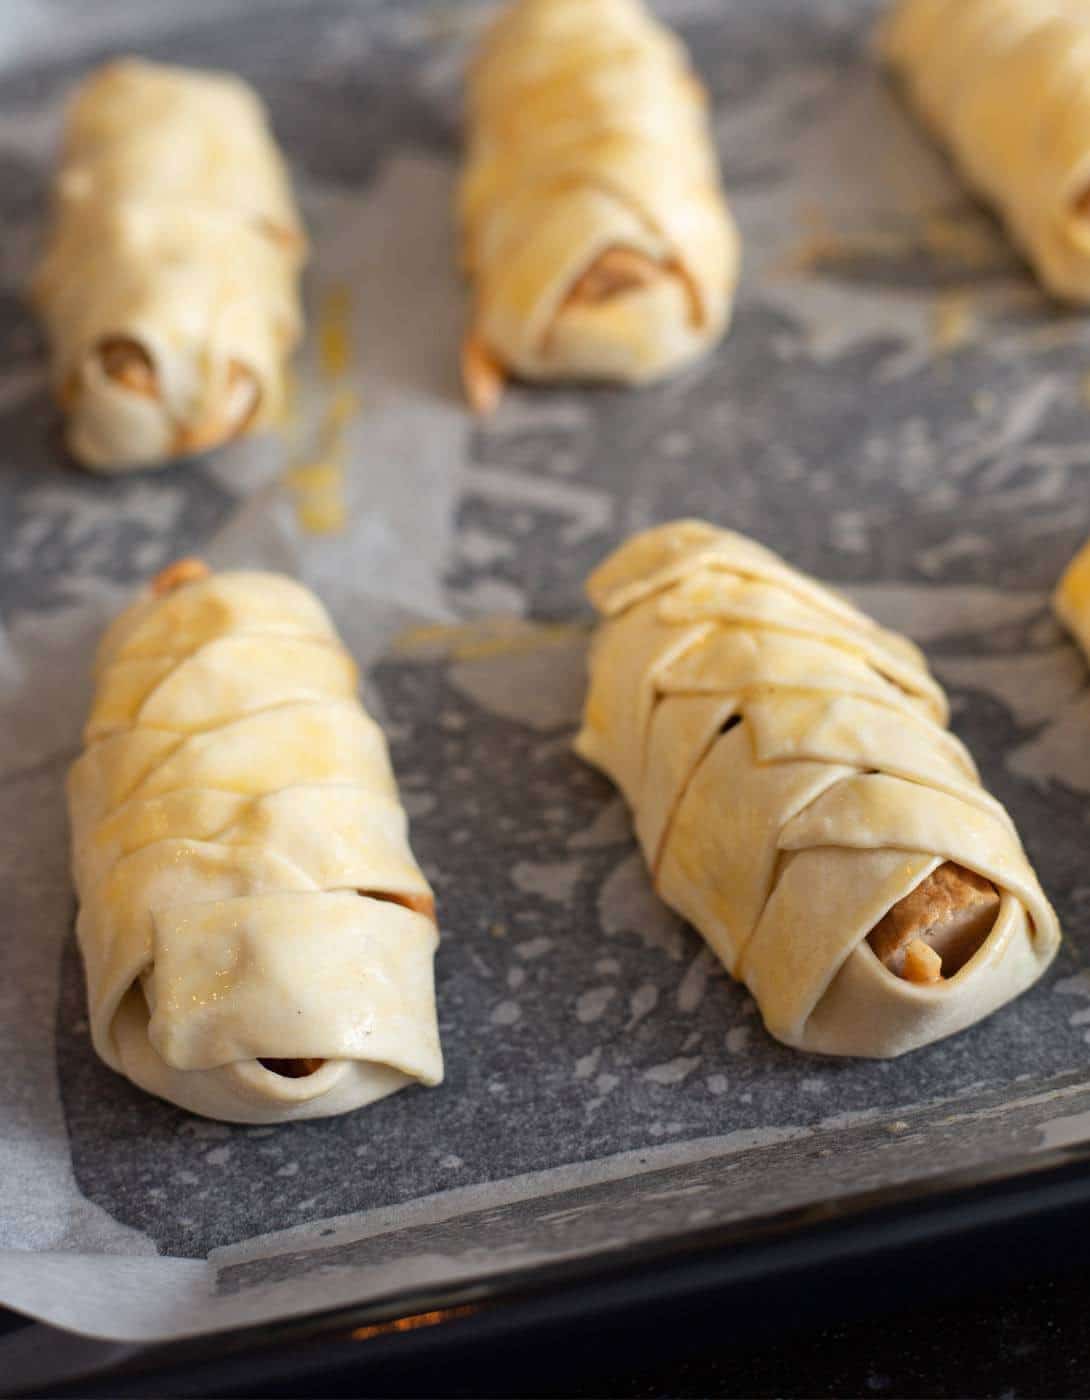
(897, 409)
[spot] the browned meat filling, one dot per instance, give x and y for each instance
(129, 364)
(933, 932)
(616, 271)
(293, 1069)
(418, 903)
(620, 270)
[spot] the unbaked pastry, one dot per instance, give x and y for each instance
(1003, 83)
(1071, 600)
(169, 285)
(594, 227)
(257, 937)
(800, 801)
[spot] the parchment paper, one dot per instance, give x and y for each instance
(897, 409)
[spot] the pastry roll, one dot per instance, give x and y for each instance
(1071, 601)
(594, 227)
(800, 801)
(1004, 85)
(257, 937)
(169, 284)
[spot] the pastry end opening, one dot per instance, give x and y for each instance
(418, 903)
(611, 274)
(127, 363)
(620, 270)
(293, 1069)
(930, 934)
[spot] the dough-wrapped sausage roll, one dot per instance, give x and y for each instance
(1004, 84)
(1071, 601)
(800, 801)
(257, 937)
(594, 227)
(169, 285)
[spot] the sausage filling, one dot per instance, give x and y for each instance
(620, 270)
(616, 271)
(127, 363)
(933, 932)
(293, 1069)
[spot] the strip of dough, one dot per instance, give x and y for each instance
(1005, 84)
(257, 937)
(800, 801)
(594, 227)
(169, 284)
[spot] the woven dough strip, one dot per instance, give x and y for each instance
(257, 937)
(1003, 84)
(594, 227)
(799, 800)
(169, 282)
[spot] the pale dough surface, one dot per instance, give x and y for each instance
(1005, 85)
(792, 778)
(173, 227)
(232, 801)
(588, 132)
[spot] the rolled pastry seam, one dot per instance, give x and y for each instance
(1003, 84)
(257, 937)
(169, 284)
(594, 227)
(799, 800)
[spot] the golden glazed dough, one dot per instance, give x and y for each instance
(800, 801)
(594, 227)
(1071, 600)
(169, 285)
(257, 937)
(1005, 84)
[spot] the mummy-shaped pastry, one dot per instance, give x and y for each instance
(1071, 600)
(257, 937)
(800, 801)
(1004, 84)
(594, 227)
(169, 282)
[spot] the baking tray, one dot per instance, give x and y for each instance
(551, 1328)
(897, 409)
